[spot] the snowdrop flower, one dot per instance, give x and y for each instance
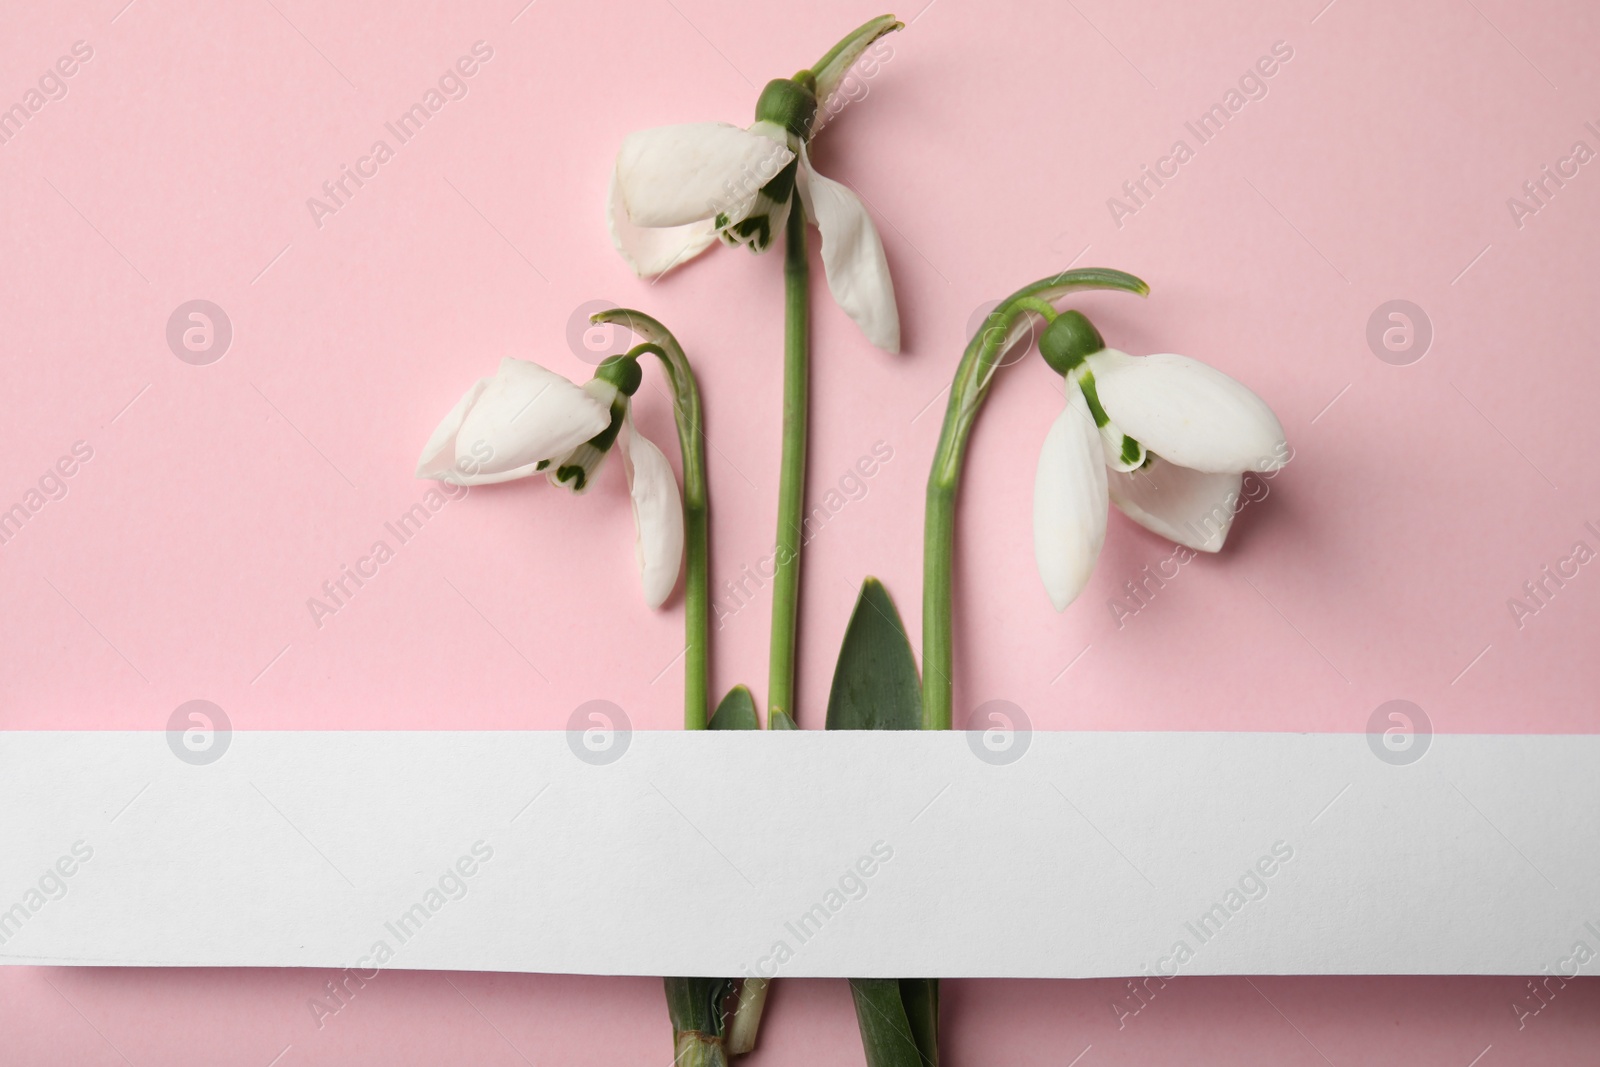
(527, 419)
(1165, 438)
(676, 189)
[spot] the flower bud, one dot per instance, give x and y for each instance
(1068, 341)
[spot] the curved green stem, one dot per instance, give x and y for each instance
(967, 392)
(792, 466)
(696, 503)
(1043, 308)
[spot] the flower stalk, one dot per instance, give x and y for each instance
(970, 387)
(792, 471)
(686, 413)
(695, 1005)
(675, 192)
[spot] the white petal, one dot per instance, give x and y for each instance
(760, 224)
(1190, 507)
(654, 251)
(1122, 451)
(675, 175)
(657, 513)
(1188, 412)
(1112, 442)
(852, 256)
(438, 462)
(1069, 503)
(585, 456)
(505, 425)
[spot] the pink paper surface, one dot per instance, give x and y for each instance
(185, 556)
(217, 499)
(233, 1018)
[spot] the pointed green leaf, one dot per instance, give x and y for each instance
(736, 712)
(886, 1035)
(921, 999)
(875, 685)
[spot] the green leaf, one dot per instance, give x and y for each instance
(875, 685)
(921, 999)
(736, 712)
(886, 1030)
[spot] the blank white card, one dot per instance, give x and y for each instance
(803, 853)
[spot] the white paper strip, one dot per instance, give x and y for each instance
(805, 853)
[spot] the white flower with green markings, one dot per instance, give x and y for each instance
(1166, 438)
(676, 189)
(525, 420)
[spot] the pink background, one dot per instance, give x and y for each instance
(219, 498)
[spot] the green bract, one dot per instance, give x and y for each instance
(829, 71)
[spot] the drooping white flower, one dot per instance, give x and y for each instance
(1166, 438)
(510, 425)
(675, 189)
(526, 419)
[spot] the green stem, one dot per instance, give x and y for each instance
(791, 526)
(696, 504)
(971, 385)
(1043, 308)
(693, 1004)
(696, 1008)
(697, 604)
(792, 466)
(746, 1021)
(694, 1049)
